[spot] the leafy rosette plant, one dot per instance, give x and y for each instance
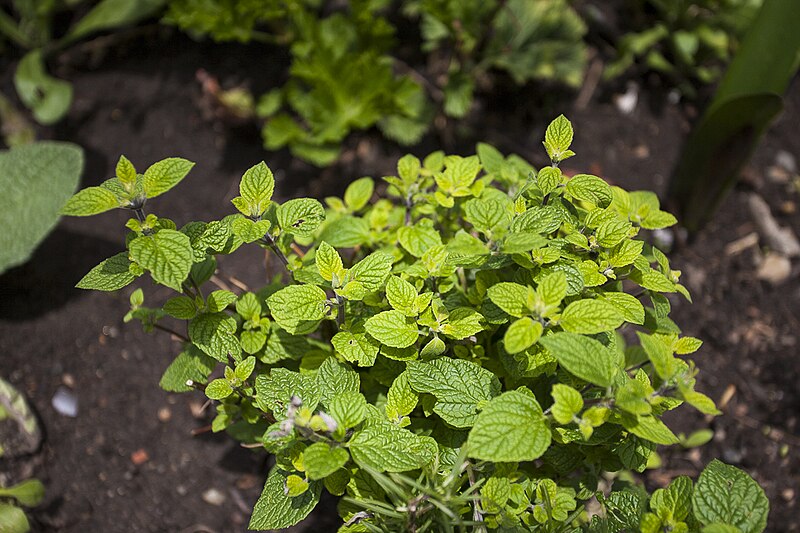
(480, 348)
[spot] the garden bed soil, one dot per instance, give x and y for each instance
(129, 460)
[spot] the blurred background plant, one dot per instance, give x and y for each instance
(19, 435)
(38, 28)
(688, 42)
(349, 70)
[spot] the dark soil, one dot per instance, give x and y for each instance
(129, 462)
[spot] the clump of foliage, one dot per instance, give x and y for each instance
(30, 26)
(36, 180)
(469, 351)
(687, 41)
(348, 73)
(528, 39)
(19, 435)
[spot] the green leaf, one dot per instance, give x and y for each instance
(220, 300)
(552, 289)
(335, 379)
(249, 306)
(388, 448)
(219, 389)
(418, 239)
(629, 306)
(486, 215)
(660, 354)
(510, 428)
(558, 137)
(295, 486)
(125, 171)
(586, 358)
(612, 232)
(90, 201)
(649, 428)
(37, 179)
(372, 271)
(548, 179)
(248, 230)
(180, 307)
(190, 365)
(401, 295)
(111, 14)
(724, 494)
(591, 316)
(110, 275)
(245, 369)
(358, 193)
(321, 460)
(167, 255)
(215, 335)
(49, 98)
(13, 519)
(301, 216)
(590, 189)
(567, 403)
(275, 509)
(29, 493)
(256, 188)
(462, 322)
(460, 387)
(512, 298)
(328, 262)
(522, 334)
(634, 452)
(274, 391)
(164, 175)
(346, 232)
(348, 408)
(401, 398)
(356, 347)
(393, 328)
(298, 308)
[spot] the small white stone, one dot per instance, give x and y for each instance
(65, 402)
(213, 497)
(786, 160)
(774, 269)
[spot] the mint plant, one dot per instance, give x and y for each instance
(482, 347)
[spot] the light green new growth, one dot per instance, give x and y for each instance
(471, 351)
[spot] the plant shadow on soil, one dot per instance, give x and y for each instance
(128, 461)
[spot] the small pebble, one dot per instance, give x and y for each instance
(787, 494)
(786, 160)
(774, 269)
(65, 402)
(181, 490)
(213, 497)
(196, 408)
(164, 414)
(68, 380)
(139, 457)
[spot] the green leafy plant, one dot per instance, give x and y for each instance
(349, 73)
(19, 435)
(28, 493)
(473, 350)
(30, 26)
(687, 41)
(36, 180)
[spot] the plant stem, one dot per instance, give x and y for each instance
(477, 515)
(184, 338)
(270, 242)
